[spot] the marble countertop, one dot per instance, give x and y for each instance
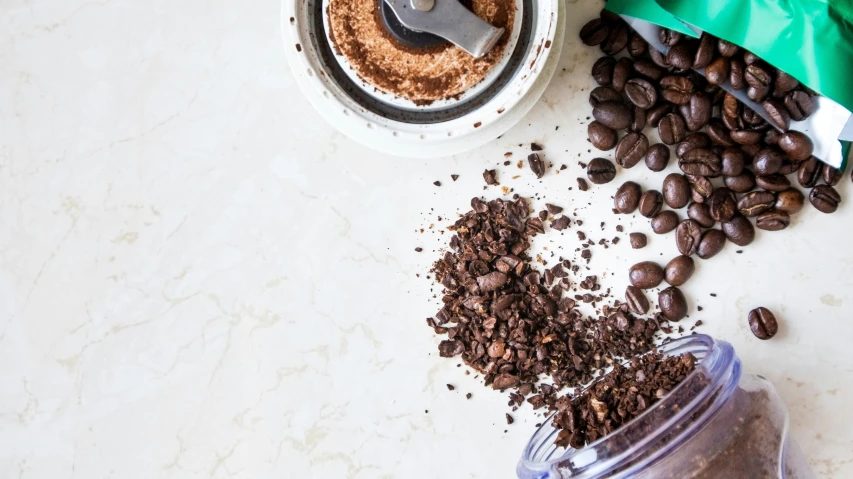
(200, 278)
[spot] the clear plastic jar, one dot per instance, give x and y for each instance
(718, 423)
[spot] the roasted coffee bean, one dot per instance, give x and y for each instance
(627, 197)
(676, 89)
(657, 112)
(600, 171)
(648, 69)
(758, 75)
(719, 133)
(739, 230)
(638, 240)
(621, 73)
(831, 175)
(727, 49)
(673, 304)
(746, 137)
(778, 113)
(749, 152)
(700, 213)
(637, 46)
(810, 172)
(672, 129)
(790, 201)
(676, 191)
(732, 123)
(757, 94)
(713, 241)
(669, 37)
(742, 183)
(700, 188)
(636, 300)
(657, 157)
(697, 112)
(731, 106)
(651, 203)
(691, 142)
(749, 58)
(617, 40)
(641, 93)
(737, 72)
(705, 52)
(784, 83)
(659, 58)
(537, 166)
(767, 161)
(774, 182)
(602, 70)
(799, 104)
(789, 166)
(687, 237)
(613, 115)
(756, 202)
(825, 198)
(630, 149)
(733, 161)
(603, 93)
(594, 32)
(722, 204)
(600, 136)
(679, 270)
(681, 56)
(701, 162)
(762, 323)
(639, 122)
(718, 71)
(645, 275)
(773, 220)
(664, 222)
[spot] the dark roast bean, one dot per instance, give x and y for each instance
(600, 171)
(825, 198)
(659, 58)
(758, 75)
(739, 230)
(639, 123)
(664, 222)
(687, 237)
(681, 56)
(638, 240)
(722, 204)
(756, 202)
(777, 113)
(600, 136)
(705, 52)
(669, 37)
(673, 304)
(617, 40)
(790, 201)
(737, 71)
(774, 182)
(718, 71)
(718, 133)
(767, 161)
(762, 323)
(636, 300)
(757, 94)
(712, 243)
(691, 142)
(648, 69)
(701, 162)
(810, 172)
(789, 166)
(676, 191)
(631, 149)
(657, 158)
(602, 70)
(700, 188)
(731, 106)
(749, 58)
(637, 46)
(603, 93)
(727, 49)
(773, 220)
(831, 175)
(733, 161)
(657, 112)
(651, 203)
(676, 89)
(594, 32)
(621, 73)
(641, 93)
(746, 137)
(799, 104)
(742, 183)
(784, 83)
(697, 112)
(699, 213)
(645, 275)
(613, 115)
(679, 270)
(732, 123)
(672, 128)
(627, 197)
(752, 120)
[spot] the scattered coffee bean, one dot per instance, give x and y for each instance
(641, 93)
(679, 270)
(600, 171)
(739, 230)
(722, 204)
(638, 240)
(657, 112)
(648, 69)
(627, 197)
(621, 73)
(691, 142)
(727, 49)
(825, 198)
(831, 175)
(700, 188)
(796, 144)
(664, 222)
(697, 113)
(701, 162)
(657, 157)
(736, 77)
(800, 105)
(672, 128)
(617, 40)
(773, 220)
(603, 93)
(676, 190)
(700, 213)
(687, 237)
(537, 166)
(637, 46)
(602, 70)
(756, 202)
(651, 203)
(681, 56)
(639, 122)
(669, 37)
(636, 300)
(790, 201)
(762, 323)
(712, 243)
(767, 161)
(601, 137)
(778, 113)
(673, 304)
(646, 275)
(719, 133)
(594, 32)
(705, 51)
(742, 183)
(774, 182)
(676, 89)
(718, 71)
(613, 115)
(809, 172)
(733, 161)
(631, 149)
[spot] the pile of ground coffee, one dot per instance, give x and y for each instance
(421, 75)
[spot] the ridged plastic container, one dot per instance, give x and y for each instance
(718, 423)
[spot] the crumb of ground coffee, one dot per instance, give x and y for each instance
(419, 249)
(490, 177)
(436, 183)
(450, 387)
(454, 177)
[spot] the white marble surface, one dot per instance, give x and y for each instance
(199, 278)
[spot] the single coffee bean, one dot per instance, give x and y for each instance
(594, 32)
(681, 56)
(669, 37)
(645, 275)
(705, 52)
(602, 70)
(718, 71)
(679, 270)
(751, 119)
(713, 241)
(648, 69)
(783, 84)
(676, 190)
(639, 123)
(641, 93)
(778, 113)
(638, 240)
(657, 112)
(750, 57)
(722, 204)
(657, 158)
(631, 149)
(756, 94)
(672, 128)
(603, 93)
(697, 113)
(691, 142)
(636, 300)
(789, 166)
(746, 137)
(749, 152)
(627, 197)
(699, 213)
(727, 49)
(825, 198)
(756, 202)
(773, 220)
(790, 201)
(673, 304)
(767, 161)
(613, 115)
(701, 162)
(737, 74)
(731, 106)
(774, 182)
(651, 203)
(664, 222)
(799, 104)
(810, 172)
(741, 183)
(733, 161)
(600, 171)
(732, 123)
(796, 144)
(700, 188)
(621, 73)
(758, 75)
(617, 40)
(739, 230)
(831, 176)
(676, 89)
(762, 323)
(600, 136)
(687, 237)
(637, 46)
(719, 133)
